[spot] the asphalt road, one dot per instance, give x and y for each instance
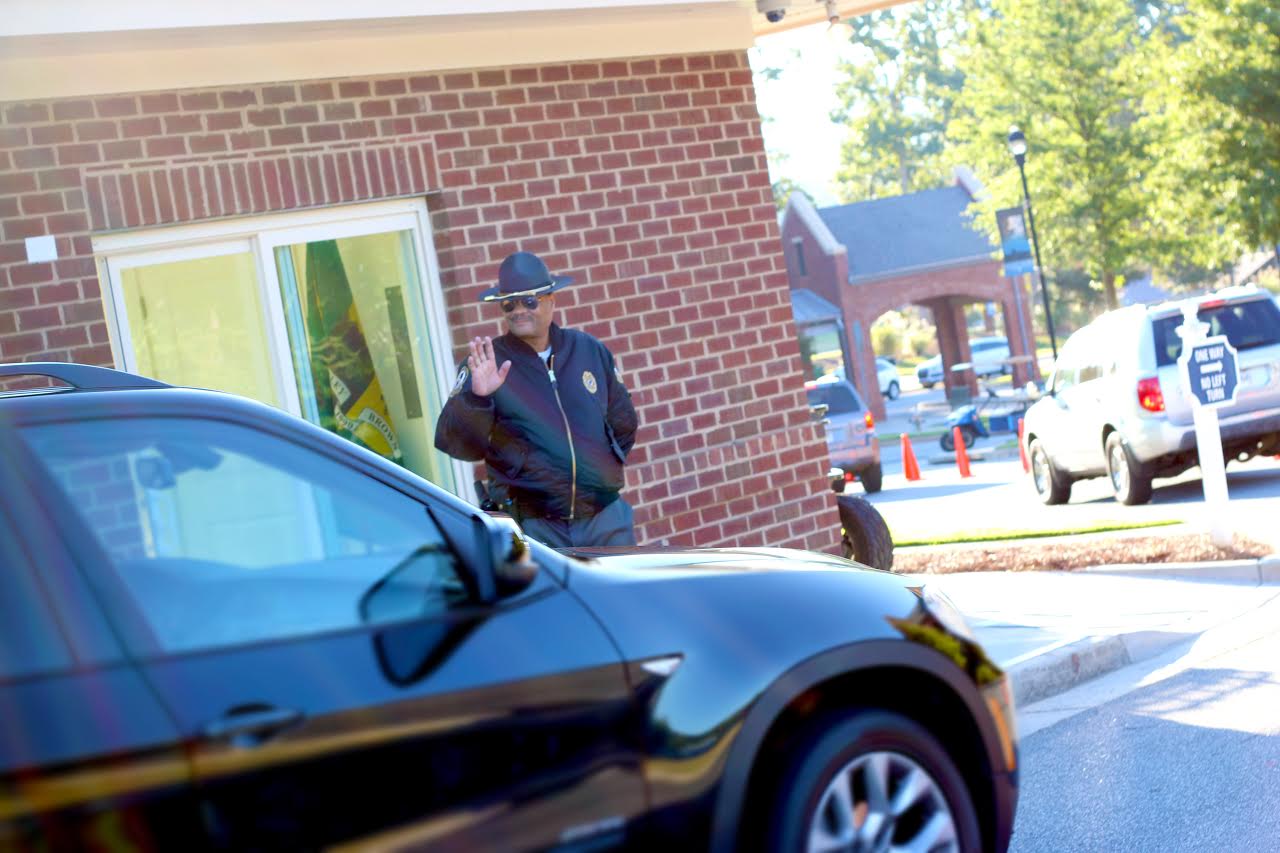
(1190, 762)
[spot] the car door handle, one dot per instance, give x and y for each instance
(251, 725)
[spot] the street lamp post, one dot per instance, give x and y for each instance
(1018, 148)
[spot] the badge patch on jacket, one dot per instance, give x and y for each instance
(461, 383)
(589, 380)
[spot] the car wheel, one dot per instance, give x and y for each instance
(864, 536)
(1052, 486)
(894, 390)
(1131, 483)
(872, 478)
(928, 386)
(837, 485)
(872, 780)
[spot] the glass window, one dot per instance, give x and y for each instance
(1246, 325)
(224, 536)
(820, 348)
(30, 642)
(353, 308)
(798, 245)
(200, 322)
(840, 400)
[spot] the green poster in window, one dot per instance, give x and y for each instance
(347, 389)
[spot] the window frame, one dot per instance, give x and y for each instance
(261, 236)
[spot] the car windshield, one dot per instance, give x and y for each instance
(839, 399)
(1255, 323)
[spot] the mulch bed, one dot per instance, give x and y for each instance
(1068, 553)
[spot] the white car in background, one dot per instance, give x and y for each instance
(887, 374)
(990, 358)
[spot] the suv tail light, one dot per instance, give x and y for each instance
(870, 421)
(1150, 397)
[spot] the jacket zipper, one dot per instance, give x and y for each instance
(573, 456)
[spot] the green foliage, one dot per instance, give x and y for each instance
(1072, 75)
(896, 99)
(1217, 178)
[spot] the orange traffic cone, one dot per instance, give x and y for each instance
(962, 455)
(910, 467)
(1022, 446)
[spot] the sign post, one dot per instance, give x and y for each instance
(1210, 375)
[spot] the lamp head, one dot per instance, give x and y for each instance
(1017, 144)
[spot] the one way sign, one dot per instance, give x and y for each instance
(1209, 369)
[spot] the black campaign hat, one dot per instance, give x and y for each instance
(523, 273)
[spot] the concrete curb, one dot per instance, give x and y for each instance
(1042, 675)
(1264, 570)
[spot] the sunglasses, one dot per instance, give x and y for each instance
(529, 302)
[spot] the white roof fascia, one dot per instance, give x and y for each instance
(798, 204)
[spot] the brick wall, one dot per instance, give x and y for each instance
(645, 179)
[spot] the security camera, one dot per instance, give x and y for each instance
(773, 10)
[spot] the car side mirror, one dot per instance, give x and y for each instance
(513, 565)
(818, 411)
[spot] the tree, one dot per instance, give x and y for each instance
(1218, 150)
(1072, 74)
(896, 99)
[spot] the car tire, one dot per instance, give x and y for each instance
(1050, 484)
(872, 755)
(1131, 482)
(872, 478)
(928, 386)
(837, 485)
(864, 536)
(894, 390)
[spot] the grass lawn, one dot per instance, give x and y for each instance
(1000, 535)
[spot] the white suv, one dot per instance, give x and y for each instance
(1116, 407)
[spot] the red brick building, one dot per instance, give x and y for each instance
(877, 256)
(164, 186)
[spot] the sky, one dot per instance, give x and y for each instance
(797, 107)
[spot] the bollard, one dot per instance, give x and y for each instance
(910, 467)
(1022, 446)
(962, 455)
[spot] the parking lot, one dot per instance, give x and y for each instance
(999, 495)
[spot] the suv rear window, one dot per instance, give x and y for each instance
(1255, 323)
(839, 399)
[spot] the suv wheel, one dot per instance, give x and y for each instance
(893, 390)
(872, 478)
(1131, 483)
(1052, 487)
(864, 536)
(872, 780)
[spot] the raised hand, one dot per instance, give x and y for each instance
(486, 376)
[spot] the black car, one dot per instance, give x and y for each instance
(225, 628)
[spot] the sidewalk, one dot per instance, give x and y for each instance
(1053, 630)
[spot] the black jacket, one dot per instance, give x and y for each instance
(558, 455)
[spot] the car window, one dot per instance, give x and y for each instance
(840, 399)
(30, 642)
(223, 535)
(1246, 325)
(1089, 372)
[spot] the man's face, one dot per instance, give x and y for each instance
(529, 324)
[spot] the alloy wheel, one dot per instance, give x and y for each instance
(882, 801)
(1040, 471)
(1119, 466)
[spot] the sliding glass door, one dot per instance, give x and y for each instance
(331, 315)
